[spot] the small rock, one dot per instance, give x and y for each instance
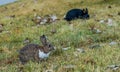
(43, 21)
(38, 25)
(113, 67)
(69, 66)
(6, 32)
(65, 48)
(113, 43)
(49, 70)
(81, 50)
(95, 30)
(54, 18)
(26, 41)
(102, 21)
(38, 17)
(110, 22)
(98, 31)
(78, 51)
(75, 53)
(94, 46)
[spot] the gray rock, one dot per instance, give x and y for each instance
(26, 41)
(113, 67)
(49, 70)
(65, 48)
(113, 43)
(69, 66)
(101, 21)
(94, 46)
(81, 50)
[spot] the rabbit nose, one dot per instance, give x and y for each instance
(87, 17)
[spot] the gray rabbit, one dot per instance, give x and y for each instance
(35, 52)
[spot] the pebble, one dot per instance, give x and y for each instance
(54, 18)
(113, 67)
(81, 50)
(101, 21)
(113, 43)
(95, 46)
(98, 31)
(69, 66)
(110, 22)
(26, 41)
(65, 48)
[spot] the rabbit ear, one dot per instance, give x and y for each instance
(83, 10)
(86, 10)
(43, 40)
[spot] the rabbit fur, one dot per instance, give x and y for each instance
(77, 14)
(35, 52)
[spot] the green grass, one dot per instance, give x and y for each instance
(76, 35)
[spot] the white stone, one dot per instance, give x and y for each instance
(113, 67)
(38, 17)
(43, 21)
(49, 70)
(112, 43)
(80, 50)
(69, 66)
(53, 17)
(98, 31)
(65, 48)
(110, 22)
(101, 21)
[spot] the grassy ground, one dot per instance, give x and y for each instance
(77, 35)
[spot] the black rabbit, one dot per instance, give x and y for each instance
(35, 52)
(77, 14)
